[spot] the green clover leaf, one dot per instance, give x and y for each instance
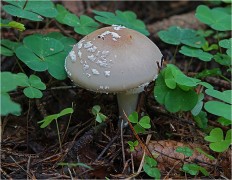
(226, 43)
(194, 169)
(223, 59)
(32, 10)
(217, 141)
(145, 122)
(174, 99)
(8, 106)
(185, 150)
(217, 18)
(133, 117)
(176, 36)
(197, 53)
(126, 18)
(42, 53)
(8, 47)
(84, 25)
(99, 117)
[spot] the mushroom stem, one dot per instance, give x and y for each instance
(127, 103)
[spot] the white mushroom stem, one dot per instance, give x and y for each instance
(127, 103)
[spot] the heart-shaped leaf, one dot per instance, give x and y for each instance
(145, 122)
(41, 52)
(185, 150)
(219, 109)
(176, 36)
(224, 96)
(197, 53)
(217, 19)
(134, 117)
(32, 10)
(217, 141)
(126, 18)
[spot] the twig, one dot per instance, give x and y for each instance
(107, 146)
(122, 142)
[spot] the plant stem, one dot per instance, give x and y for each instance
(218, 42)
(28, 112)
(174, 60)
(20, 67)
(67, 125)
(58, 133)
(225, 78)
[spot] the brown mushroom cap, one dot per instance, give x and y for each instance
(113, 59)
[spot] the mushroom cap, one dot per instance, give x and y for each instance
(113, 59)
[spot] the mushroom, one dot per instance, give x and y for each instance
(117, 60)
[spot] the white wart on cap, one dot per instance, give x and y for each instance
(113, 59)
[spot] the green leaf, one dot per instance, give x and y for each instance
(145, 122)
(47, 120)
(223, 121)
(152, 172)
(217, 19)
(32, 10)
(194, 169)
(176, 36)
(86, 25)
(65, 17)
(222, 59)
(185, 150)
(206, 46)
(197, 53)
(226, 43)
(8, 106)
(65, 112)
(174, 99)
(8, 81)
(209, 72)
(15, 25)
(219, 109)
(32, 92)
(41, 52)
(224, 96)
(196, 110)
(8, 47)
(203, 152)
(100, 117)
(126, 18)
(150, 161)
(217, 141)
(205, 33)
(36, 82)
(96, 109)
(133, 117)
(139, 129)
(201, 120)
(169, 79)
(74, 165)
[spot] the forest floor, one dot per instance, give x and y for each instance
(30, 152)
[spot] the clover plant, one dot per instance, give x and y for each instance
(126, 18)
(217, 18)
(140, 125)
(9, 82)
(150, 168)
(220, 108)
(99, 117)
(184, 150)
(29, 9)
(175, 90)
(82, 25)
(132, 145)
(194, 169)
(217, 141)
(46, 52)
(8, 47)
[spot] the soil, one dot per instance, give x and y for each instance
(31, 152)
